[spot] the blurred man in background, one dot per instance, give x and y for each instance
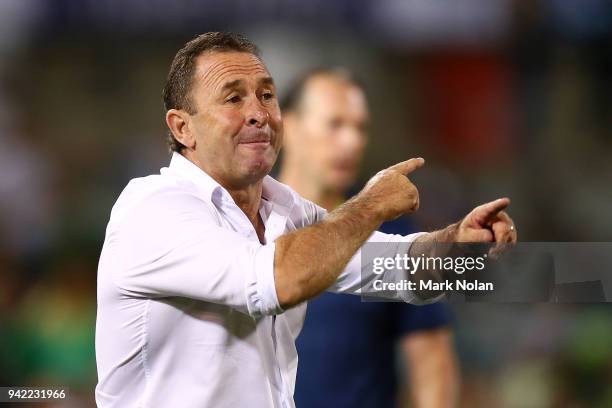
(326, 116)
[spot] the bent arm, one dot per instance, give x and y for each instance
(190, 255)
(309, 260)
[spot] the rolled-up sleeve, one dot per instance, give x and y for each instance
(358, 276)
(171, 244)
(261, 292)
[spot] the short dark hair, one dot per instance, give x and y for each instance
(177, 91)
(292, 99)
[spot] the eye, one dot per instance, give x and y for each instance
(234, 99)
(267, 96)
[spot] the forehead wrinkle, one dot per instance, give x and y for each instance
(221, 77)
(214, 74)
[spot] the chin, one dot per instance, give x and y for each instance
(258, 169)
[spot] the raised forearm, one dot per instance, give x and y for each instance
(309, 260)
(435, 244)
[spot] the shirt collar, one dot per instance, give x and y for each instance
(278, 193)
(273, 191)
(183, 167)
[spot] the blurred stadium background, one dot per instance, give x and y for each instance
(502, 97)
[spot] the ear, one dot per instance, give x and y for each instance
(179, 123)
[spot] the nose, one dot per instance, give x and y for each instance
(256, 114)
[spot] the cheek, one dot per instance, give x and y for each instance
(279, 140)
(218, 122)
(276, 124)
(275, 116)
(360, 147)
(222, 131)
(323, 152)
(232, 122)
(331, 145)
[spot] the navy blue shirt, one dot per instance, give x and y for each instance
(347, 347)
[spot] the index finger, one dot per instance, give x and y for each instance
(489, 210)
(408, 166)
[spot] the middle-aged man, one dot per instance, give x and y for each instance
(326, 116)
(206, 267)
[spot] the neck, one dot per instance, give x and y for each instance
(248, 199)
(246, 196)
(309, 188)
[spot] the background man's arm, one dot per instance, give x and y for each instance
(433, 373)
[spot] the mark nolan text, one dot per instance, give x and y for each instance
(460, 284)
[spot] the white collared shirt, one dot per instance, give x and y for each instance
(187, 309)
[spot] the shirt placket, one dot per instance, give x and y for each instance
(274, 227)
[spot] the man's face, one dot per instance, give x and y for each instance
(330, 132)
(237, 127)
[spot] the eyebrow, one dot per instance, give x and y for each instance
(267, 81)
(231, 84)
(237, 82)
